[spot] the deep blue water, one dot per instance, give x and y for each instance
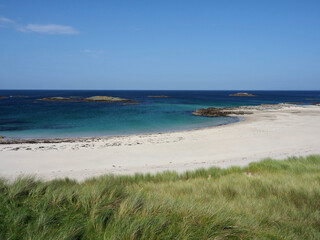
(28, 118)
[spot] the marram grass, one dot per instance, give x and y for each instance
(266, 200)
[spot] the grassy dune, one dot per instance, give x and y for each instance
(266, 200)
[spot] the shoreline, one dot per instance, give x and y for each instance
(277, 131)
(17, 140)
(106, 137)
(35, 140)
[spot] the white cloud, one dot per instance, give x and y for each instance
(6, 20)
(48, 29)
(93, 51)
(39, 28)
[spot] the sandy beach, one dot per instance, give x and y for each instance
(277, 131)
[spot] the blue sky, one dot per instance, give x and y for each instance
(209, 45)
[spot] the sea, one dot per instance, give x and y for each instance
(23, 116)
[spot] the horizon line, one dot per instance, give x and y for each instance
(69, 89)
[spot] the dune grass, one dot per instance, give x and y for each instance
(266, 200)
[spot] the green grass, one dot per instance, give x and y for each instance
(266, 200)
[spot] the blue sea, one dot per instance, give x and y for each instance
(25, 117)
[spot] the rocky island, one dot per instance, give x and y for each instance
(219, 112)
(19, 96)
(242, 94)
(3, 97)
(242, 110)
(106, 99)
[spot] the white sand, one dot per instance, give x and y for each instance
(278, 133)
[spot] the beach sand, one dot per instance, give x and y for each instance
(277, 132)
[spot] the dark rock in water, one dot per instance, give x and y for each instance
(296, 103)
(13, 128)
(240, 94)
(218, 112)
(88, 99)
(10, 121)
(159, 96)
(130, 104)
(1, 137)
(316, 103)
(241, 110)
(20, 96)
(3, 97)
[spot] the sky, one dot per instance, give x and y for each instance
(160, 45)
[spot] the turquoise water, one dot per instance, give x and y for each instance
(27, 118)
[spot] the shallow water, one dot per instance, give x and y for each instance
(24, 117)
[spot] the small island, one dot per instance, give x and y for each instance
(20, 96)
(242, 94)
(3, 97)
(105, 99)
(241, 110)
(219, 112)
(295, 103)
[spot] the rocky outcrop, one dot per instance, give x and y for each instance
(242, 94)
(295, 103)
(219, 112)
(3, 97)
(316, 103)
(88, 99)
(20, 96)
(159, 96)
(241, 110)
(105, 99)
(1, 137)
(55, 99)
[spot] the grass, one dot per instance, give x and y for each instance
(266, 200)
